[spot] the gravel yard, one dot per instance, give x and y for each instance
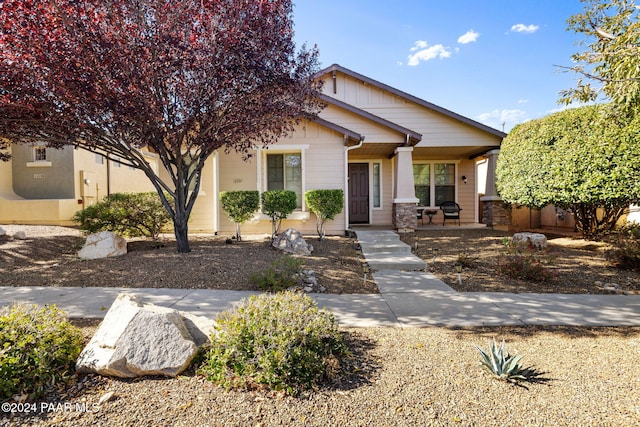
(395, 377)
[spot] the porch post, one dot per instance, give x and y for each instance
(494, 211)
(405, 200)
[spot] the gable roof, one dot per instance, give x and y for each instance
(412, 98)
(414, 137)
(348, 133)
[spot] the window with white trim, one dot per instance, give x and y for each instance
(377, 198)
(39, 153)
(434, 183)
(445, 182)
(284, 172)
(422, 183)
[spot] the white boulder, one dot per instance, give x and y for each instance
(102, 245)
(291, 241)
(533, 240)
(3, 232)
(136, 339)
(20, 235)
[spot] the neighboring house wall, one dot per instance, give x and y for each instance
(43, 179)
(51, 191)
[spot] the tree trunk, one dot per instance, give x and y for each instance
(181, 231)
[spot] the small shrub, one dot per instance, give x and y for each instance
(326, 204)
(282, 341)
(278, 204)
(466, 260)
(626, 247)
(127, 214)
(281, 275)
(499, 362)
(39, 349)
(240, 206)
(525, 263)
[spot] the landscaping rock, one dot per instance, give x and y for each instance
(20, 235)
(533, 240)
(136, 339)
(3, 232)
(291, 241)
(102, 245)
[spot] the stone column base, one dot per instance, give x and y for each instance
(495, 213)
(405, 217)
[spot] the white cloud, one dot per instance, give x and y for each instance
(523, 101)
(420, 44)
(521, 28)
(468, 37)
(425, 53)
(503, 119)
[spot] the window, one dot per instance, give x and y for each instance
(376, 185)
(39, 154)
(435, 183)
(445, 177)
(284, 172)
(422, 182)
(99, 159)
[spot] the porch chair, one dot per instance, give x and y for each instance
(450, 210)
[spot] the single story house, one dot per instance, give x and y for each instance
(389, 151)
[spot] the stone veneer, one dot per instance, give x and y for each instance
(405, 216)
(495, 212)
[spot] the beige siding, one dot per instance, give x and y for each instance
(374, 132)
(437, 129)
(323, 168)
(467, 195)
(122, 179)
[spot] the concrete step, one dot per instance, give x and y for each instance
(378, 247)
(395, 261)
(377, 236)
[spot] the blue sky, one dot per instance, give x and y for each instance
(494, 61)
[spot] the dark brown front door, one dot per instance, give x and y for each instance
(358, 193)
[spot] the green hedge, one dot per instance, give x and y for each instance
(240, 206)
(282, 340)
(278, 204)
(39, 349)
(127, 214)
(325, 204)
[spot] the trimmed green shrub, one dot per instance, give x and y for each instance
(326, 204)
(127, 214)
(282, 274)
(39, 349)
(282, 341)
(240, 206)
(278, 204)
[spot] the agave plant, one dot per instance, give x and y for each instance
(500, 363)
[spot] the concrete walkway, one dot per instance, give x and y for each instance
(408, 298)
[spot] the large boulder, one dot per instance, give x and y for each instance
(291, 241)
(530, 240)
(136, 339)
(102, 245)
